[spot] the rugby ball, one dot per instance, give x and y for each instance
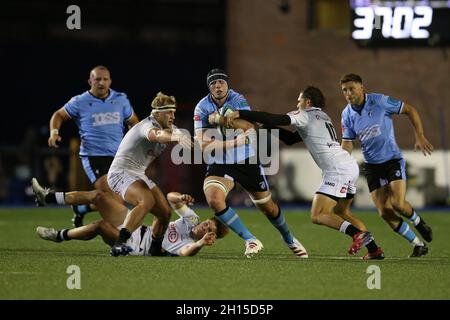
(224, 111)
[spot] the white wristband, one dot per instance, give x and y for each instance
(54, 131)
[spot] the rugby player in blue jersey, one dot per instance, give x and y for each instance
(368, 118)
(235, 165)
(100, 114)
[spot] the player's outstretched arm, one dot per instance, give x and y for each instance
(272, 119)
(56, 120)
(167, 136)
(192, 249)
(421, 142)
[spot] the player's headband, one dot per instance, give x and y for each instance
(167, 107)
(216, 74)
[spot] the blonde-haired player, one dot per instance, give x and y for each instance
(126, 176)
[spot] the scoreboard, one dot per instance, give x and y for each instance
(400, 23)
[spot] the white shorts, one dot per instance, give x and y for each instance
(140, 241)
(341, 182)
(120, 181)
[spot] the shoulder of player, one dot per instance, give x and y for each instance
(81, 97)
(237, 99)
(203, 105)
(118, 95)
(374, 96)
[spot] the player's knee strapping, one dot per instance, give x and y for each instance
(216, 184)
(263, 200)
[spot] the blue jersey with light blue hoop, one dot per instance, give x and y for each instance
(204, 108)
(100, 121)
(372, 125)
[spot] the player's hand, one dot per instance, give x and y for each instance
(229, 119)
(212, 118)
(209, 238)
(245, 138)
(185, 141)
(53, 139)
(424, 145)
(188, 199)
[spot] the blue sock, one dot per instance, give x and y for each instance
(415, 218)
(405, 231)
(230, 218)
(81, 209)
(280, 223)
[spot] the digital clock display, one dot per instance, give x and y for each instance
(385, 23)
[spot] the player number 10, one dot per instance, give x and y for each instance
(398, 23)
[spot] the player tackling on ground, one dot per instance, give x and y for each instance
(185, 236)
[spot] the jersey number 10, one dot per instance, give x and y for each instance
(331, 131)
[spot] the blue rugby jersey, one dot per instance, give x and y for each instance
(204, 108)
(100, 121)
(372, 125)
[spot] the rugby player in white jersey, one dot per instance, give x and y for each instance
(339, 169)
(185, 236)
(126, 176)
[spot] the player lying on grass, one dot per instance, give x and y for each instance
(339, 169)
(185, 236)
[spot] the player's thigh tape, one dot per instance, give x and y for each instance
(215, 183)
(263, 200)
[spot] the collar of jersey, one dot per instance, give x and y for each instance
(312, 109)
(153, 120)
(111, 92)
(362, 105)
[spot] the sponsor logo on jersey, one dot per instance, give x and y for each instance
(328, 183)
(370, 113)
(173, 234)
(397, 173)
(105, 118)
(369, 133)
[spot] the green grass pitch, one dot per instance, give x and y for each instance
(31, 268)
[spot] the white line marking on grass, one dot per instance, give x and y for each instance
(18, 272)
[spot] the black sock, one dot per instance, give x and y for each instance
(124, 235)
(50, 197)
(352, 230)
(156, 246)
(372, 246)
(63, 235)
(218, 213)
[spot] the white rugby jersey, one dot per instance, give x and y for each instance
(136, 152)
(177, 235)
(319, 136)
